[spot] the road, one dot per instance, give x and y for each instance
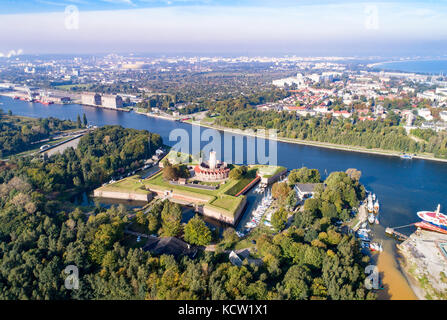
(61, 148)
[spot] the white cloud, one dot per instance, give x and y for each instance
(208, 27)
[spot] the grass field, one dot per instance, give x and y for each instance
(268, 171)
(68, 87)
(130, 184)
(176, 157)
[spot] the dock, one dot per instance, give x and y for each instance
(395, 234)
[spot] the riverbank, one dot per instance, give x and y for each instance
(153, 115)
(425, 264)
(318, 144)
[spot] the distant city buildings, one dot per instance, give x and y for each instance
(112, 101)
(91, 99)
(106, 101)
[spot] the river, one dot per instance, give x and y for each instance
(403, 187)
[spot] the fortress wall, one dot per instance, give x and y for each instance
(122, 195)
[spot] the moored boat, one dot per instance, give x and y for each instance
(374, 246)
(406, 156)
(376, 207)
(436, 219)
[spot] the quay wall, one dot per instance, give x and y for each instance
(122, 195)
(274, 178)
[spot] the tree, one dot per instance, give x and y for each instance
(196, 232)
(279, 219)
(235, 173)
(292, 199)
(304, 175)
(169, 173)
(354, 174)
(229, 237)
(171, 217)
(84, 120)
(296, 282)
(280, 191)
(78, 122)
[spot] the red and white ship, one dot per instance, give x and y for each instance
(433, 220)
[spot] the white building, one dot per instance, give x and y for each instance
(112, 101)
(91, 99)
(426, 114)
(298, 80)
(443, 115)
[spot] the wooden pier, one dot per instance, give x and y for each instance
(393, 233)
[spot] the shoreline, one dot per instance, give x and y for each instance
(412, 282)
(422, 264)
(326, 145)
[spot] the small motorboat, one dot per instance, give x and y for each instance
(375, 247)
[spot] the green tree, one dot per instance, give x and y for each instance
(169, 173)
(229, 238)
(84, 120)
(196, 232)
(304, 175)
(280, 191)
(78, 122)
(279, 219)
(171, 217)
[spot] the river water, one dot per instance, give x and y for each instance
(403, 187)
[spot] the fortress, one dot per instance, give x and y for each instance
(213, 170)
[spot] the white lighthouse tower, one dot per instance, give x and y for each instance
(213, 161)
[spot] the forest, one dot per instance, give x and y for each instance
(17, 134)
(385, 134)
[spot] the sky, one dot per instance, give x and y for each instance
(252, 27)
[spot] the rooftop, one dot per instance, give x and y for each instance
(170, 246)
(306, 187)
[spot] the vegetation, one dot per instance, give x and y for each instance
(171, 216)
(196, 232)
(304, 175)
(18, 134)
(383, 134)
(280, 191)
(279, 219)
(102, 154)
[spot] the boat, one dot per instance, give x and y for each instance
(371, 218)
(363, 234)
(434, 218)
(429, 226)
(376, 207)
(376, 221)
(374, 246)
(370, 205)
(406, 156)
(250, 225)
